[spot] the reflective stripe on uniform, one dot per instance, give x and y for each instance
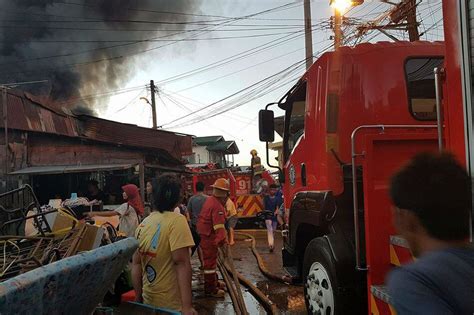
(219, 226)
(209, 271)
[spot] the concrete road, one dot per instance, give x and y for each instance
(289, 299)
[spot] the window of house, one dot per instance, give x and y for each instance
(421, 86)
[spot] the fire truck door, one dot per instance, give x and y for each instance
(465, 10)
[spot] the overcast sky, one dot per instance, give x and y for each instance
(191, 93)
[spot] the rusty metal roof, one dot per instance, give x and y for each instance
(24, 113)
(177, 145)
(30, 113)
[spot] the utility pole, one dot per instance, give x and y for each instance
(153, 104)
(413, 33)
(338, 36)
(308, 32)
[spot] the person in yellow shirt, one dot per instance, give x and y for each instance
(161, 269)
(231, 214)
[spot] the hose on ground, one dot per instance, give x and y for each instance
(261, 264)
(232, 293)
(269, 306)
(233, 286)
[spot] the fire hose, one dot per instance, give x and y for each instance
(261, 264)
(232, 286)
(226, 266)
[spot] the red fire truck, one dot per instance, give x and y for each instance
(355, 117)
(248, 204)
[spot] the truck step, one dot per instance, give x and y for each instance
(380, 292)
(380, 301)
(399, 251)
(397, 240)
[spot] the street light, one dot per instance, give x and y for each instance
(340, 7)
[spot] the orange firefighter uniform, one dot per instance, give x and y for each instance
(211, 228)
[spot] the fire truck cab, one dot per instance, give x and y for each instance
(354, 118)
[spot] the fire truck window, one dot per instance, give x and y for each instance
(296, 125)
(421, 87)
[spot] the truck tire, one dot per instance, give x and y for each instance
(320, 281)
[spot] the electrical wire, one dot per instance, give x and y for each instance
(244, 69)
(82, 41)
(233, 94)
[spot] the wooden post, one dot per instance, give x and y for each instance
(413, 32)
(308, 31)
(153, 103)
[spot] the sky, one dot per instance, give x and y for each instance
(279, 63)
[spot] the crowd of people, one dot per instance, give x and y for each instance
(172, 229)
(432, 202)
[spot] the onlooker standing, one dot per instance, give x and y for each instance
(195, 203)
(162, 260)
(211, 229)
(232, 219)
(272, 203)
(194, 209)
(128, 211)
(432, 200)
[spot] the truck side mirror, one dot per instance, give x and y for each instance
(266, 124)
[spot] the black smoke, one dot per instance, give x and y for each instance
(39, 41)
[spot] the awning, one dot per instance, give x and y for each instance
(64, 169)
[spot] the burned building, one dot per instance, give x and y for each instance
(56, 151)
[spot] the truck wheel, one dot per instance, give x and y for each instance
(319, 278)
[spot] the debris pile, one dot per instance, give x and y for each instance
(33, 236)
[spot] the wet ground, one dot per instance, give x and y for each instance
(289, 299)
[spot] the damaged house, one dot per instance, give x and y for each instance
(57, 152)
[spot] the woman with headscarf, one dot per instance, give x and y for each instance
(128, 211)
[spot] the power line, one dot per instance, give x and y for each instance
(147, 40)
(238, 56)
(246, 98)
(244, 69)
(236, 93)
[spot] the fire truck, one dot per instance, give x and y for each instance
(247, 203)
(355, 117)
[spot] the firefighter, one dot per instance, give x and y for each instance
(211, 229)
(257, 169)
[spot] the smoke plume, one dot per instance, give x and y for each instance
(64, 42)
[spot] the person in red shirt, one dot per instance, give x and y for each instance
(211, 229)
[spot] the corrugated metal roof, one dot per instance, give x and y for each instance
(228, 147)
(29, 113)
(25, 114)
(177, 145)
(207, 140)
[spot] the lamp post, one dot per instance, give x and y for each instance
(340, 7)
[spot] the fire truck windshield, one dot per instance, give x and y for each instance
(421, 86)
(294, 119)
